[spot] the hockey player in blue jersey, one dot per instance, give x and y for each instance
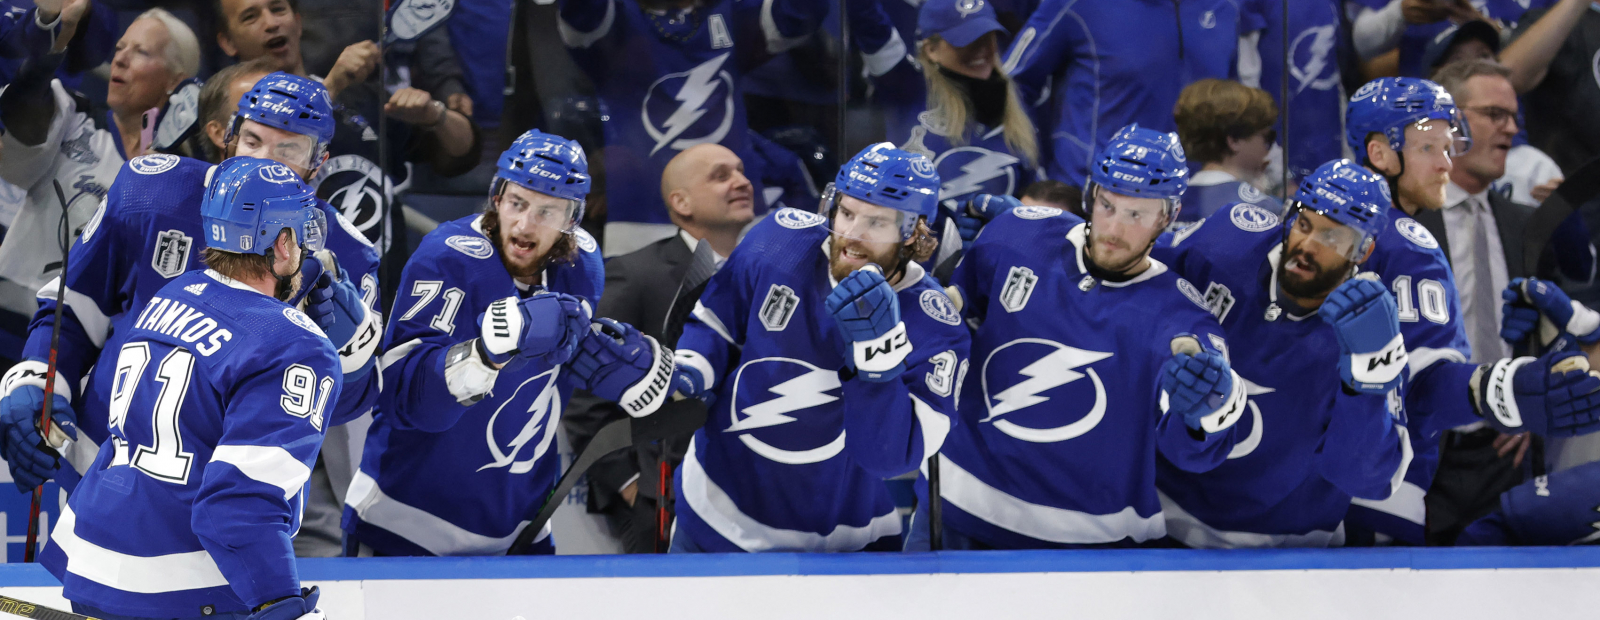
(830, 360)
(221, 400)
(1078, 379)
(1407, 130)
(490, 335)
(1286, 299)
(147, 232)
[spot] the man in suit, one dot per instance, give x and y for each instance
(1480, 231)
(711, 201)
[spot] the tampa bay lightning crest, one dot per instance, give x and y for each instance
(1415, 233)
(153, 164)
(522, 429)
(969, 170)
(797, 219)
(1251, 218)
(1314, 64)
(471, 245)
(782, 392)
(693, 107)
(1033, 371)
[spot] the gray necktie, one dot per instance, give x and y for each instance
(1485, 330)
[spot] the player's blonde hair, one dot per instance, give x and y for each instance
(241, 266)
(949, 108)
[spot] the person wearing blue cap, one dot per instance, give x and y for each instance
(974, 126)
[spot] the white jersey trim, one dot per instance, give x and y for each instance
(397, 353)
(174, 572)
(1187, 529)
(717, 510)
(1406, 503)
(714, 322)
(436, 535)
(95, 323)
(1423, 357)
(935, 427)
(1048, 523)
(573, 37)
(266, 464)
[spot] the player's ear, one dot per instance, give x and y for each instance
(1379, 153)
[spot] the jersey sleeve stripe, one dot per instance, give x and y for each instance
(573, 37)
(1399, 478)
(266, 464)
(1406, 503)
(935, 427)
(714, 322)
(436, 535)
(397, 353)
(880, 62)
(776, 42)
(174, 572)
(1423, 357)
(693, 359)
(95, 323)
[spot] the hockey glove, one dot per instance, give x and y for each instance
(1554, 394)
(32, 462)
(1366, 323)
(980, 210)
(868, 315)
(1199, 386)
(547, 326)
(1569, 316)
(335, 305)
(616, 362)
(303, 607)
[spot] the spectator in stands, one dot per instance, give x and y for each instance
(53, 135)
(1380, 28)
(973, 126)
(1315, 34)
(1108, 64)
(1551, 62)
(1226, 128)
(710, 200)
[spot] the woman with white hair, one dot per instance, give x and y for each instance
(53, 136)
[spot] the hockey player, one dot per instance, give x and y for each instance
(147, 232)
(221, 398)
(1287, 300)
(1407, 130)
(1042, 457)
(830, 360)
(494, 336)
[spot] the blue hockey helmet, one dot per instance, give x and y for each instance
(548, 164)
(886, 176)
(1141, 163)
(1388, 105)
(1349, 194)
(248, 201)
(291, 103)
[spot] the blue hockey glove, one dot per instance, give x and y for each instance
(1553, 395)
(32, 462)
(1366, 323)
(616, 362)
(686, 380)
(1569, 316)
(303, 607)
(981, 210)
(335, 305)
(867, 312)
(1199, 386)
(547, 326)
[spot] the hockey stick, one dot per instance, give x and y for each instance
(676, 417)
(18, 607)
(49, 377)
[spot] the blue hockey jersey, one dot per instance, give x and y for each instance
(1408, 260)
(436, 477)
(1041, 457)
(1203, 201)
(982, 164)
(147, 232)
(218, 412)
(1316, 100)
(1106, 64)
(792, 457)
(1308, 447)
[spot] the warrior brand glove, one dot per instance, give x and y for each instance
(1199, 386)
(335, 304)
(31, 462)
(1554, 394)
(1523, 296)
(1366, 322)
(546, 326)
(868, 315)
(303, 607)
(980, 210)
(618, 363)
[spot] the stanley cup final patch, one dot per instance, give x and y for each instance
(779, 307)
(1019, 287)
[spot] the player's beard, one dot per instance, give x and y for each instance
(1319, 285)
(1103, 263)
(286, 286)
(562, 249)
(1423, 193)
(888, 262)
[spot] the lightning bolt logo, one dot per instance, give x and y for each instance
(802, 392)
(544, 407)
(1053, 370)
(699, 84)
(1321, 49)
(988, 165)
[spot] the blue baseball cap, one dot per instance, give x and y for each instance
(958, 22)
